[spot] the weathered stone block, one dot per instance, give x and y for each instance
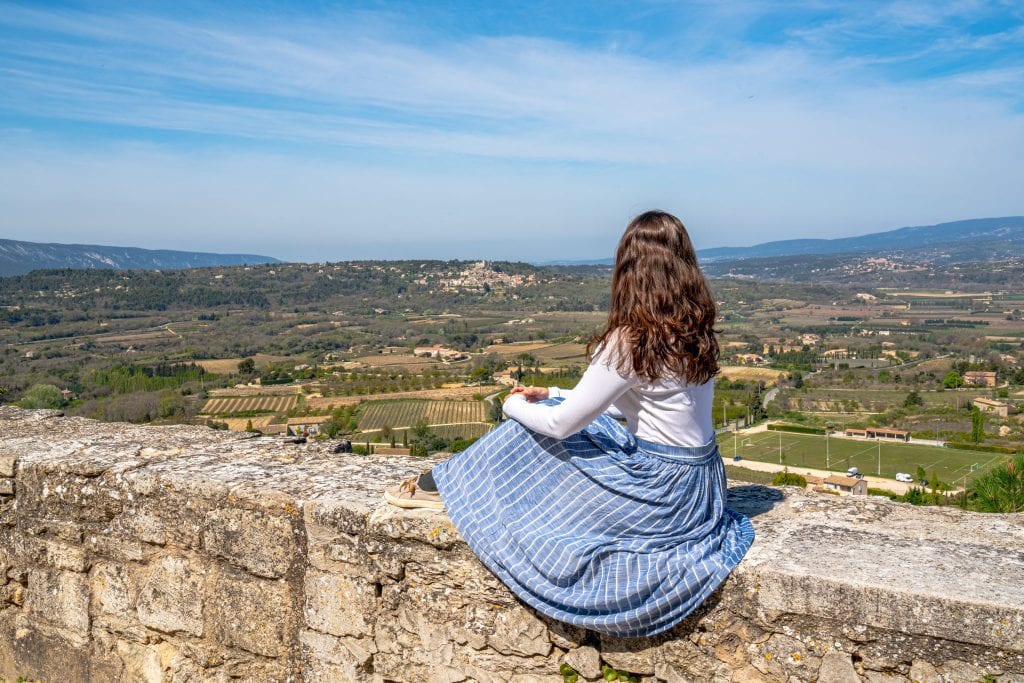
(171, 596)
(141, 524)
(923, 672)
(338, 604)
(255, 541)
(585, 660)
(60, 598)
(6, 487)
(66, 556)
(837, 667)
(32, 550)
(888, 677)
(141, 662)
(46, 656)
(330, 659)
(332, 550)
(118, 548)
(8, 461)
(252, 614)
(113, 590)
(636, 655)
(518, 631)
(956, 670)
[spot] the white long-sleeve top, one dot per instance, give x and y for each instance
(668, 411)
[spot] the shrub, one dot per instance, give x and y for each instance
(913, 399)
(1001, 489)
(42, 396)
(796, 429)
(787, 478)
(459, 445)
(884, 492)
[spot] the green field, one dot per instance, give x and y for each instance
(808, 450)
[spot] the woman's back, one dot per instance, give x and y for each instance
(669, 411)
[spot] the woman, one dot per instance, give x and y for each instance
(622, 531)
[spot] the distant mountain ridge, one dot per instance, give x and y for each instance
(976, 239)
(933, 238)
(18, 257)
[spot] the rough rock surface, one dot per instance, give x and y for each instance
(183, 554)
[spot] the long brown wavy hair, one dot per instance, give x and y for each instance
(661, 304)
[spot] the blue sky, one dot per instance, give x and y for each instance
(528, 130)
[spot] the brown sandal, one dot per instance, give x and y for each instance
(408, 495)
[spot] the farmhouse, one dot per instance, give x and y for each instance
(750, 359)
(879, 433)
(771, 349)
(987, 405)
(979, 378)
(306, 426)
(436, 351)
(504, 377)
(846, 485)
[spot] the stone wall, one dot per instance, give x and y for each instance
(183, 554)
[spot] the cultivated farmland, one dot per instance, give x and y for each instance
(405, 414)
(750, 374)
(230, 405)
(466, 430)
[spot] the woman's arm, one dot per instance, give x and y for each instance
(610, 411)
(600, 385)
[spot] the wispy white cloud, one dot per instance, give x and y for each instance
(800, 132)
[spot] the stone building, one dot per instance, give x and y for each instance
(979, 378)
(846, 485)
(999, 408)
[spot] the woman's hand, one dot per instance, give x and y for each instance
(531, 394)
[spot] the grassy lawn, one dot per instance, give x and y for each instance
(808, 450)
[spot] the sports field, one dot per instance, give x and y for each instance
(869, 456)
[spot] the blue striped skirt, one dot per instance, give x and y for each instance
(601, 530)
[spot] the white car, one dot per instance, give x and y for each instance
(904, 477)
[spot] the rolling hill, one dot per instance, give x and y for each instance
(978, 239)
(22, 257)
(969, 240)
